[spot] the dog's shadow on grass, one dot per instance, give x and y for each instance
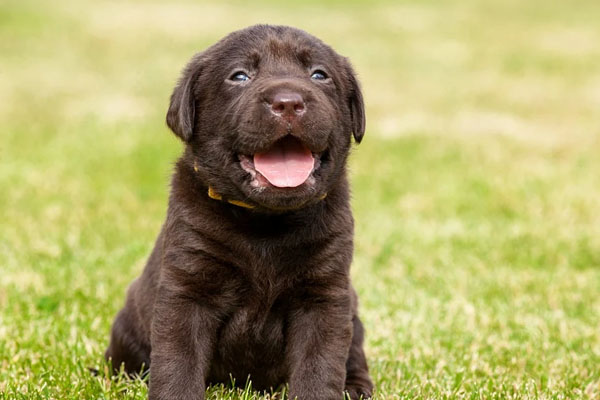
(122, 382)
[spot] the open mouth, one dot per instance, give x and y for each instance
(286, 164)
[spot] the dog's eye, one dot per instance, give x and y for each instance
(319, 75)
(239, 76)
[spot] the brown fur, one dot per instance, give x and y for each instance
(262, 292)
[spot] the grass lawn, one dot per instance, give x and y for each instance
(476, 190)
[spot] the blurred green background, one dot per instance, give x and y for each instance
(476, 190)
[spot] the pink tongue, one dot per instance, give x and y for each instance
(287, 164)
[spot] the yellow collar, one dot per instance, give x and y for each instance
(216, 196)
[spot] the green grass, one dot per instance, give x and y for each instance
(476, 190)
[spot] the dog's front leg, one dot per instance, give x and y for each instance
(183, 336)
(319, 340)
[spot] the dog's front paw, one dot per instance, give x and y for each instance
(356, 391)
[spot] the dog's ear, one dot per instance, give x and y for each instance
(182, 110)
(357, 105)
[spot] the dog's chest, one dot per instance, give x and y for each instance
(252, 327)
(257, 322)
(252, 337)
(251, 340)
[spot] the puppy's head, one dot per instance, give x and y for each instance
(267, 115)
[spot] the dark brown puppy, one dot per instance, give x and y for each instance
(250, 273)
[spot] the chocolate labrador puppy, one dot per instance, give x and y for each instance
(250, 273)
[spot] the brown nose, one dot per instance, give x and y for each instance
(288, 105)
